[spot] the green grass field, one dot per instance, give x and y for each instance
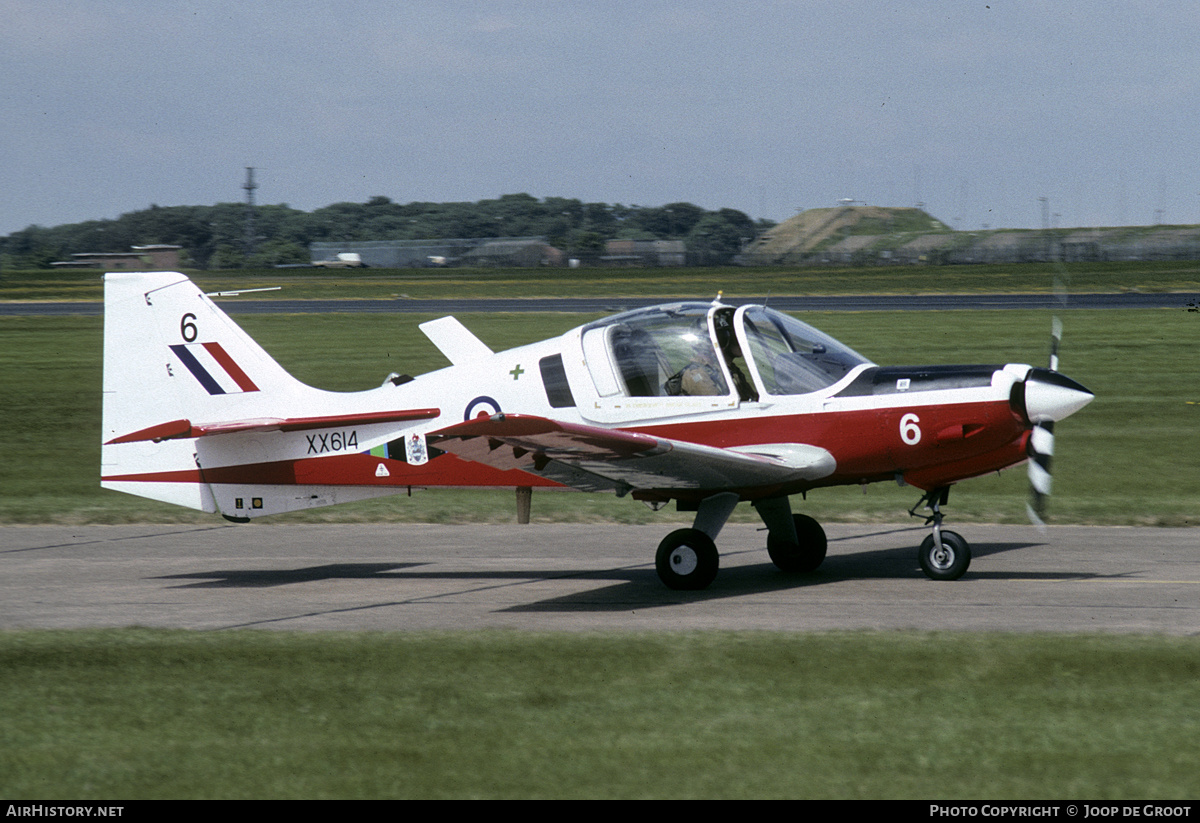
(1125, 459)
(146, 714)
(672, 282)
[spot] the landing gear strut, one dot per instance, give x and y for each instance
(687, 559)
(943, 555)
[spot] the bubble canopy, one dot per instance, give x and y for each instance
(702, 348)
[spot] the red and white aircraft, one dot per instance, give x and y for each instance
(705, 404)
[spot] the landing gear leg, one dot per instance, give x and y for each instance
(943, 555)
(687, 559)
(795, 542)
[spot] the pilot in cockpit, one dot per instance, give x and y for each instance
(703, 375)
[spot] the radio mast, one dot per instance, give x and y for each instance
(249, 186)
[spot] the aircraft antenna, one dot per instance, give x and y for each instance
(249, 186)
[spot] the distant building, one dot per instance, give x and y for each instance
(644, 253)
(159, 257)
(524, 252)
(391, 254)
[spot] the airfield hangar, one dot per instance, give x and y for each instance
(523, 252)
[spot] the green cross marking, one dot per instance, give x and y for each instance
(517, 372)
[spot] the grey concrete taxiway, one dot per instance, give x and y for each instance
(586, 578)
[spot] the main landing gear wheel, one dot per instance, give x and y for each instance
(801, 557)
(687, 560)
(947, 563)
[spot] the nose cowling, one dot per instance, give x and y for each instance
(1045, 396)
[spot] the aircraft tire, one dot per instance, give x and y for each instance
(687, 560)
(805, 556)
(949, 564)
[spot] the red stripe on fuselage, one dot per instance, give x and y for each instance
(349, 470)
(957, 441)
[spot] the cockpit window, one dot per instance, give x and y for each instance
(792, 357)
(661, 352)
(669, 351)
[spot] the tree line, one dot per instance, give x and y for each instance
(216, 237)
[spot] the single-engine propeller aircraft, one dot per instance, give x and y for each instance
(706, 404)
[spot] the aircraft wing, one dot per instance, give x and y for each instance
(589, 458)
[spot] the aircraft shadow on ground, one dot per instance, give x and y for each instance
(629, 587)
(264, 578)
(642, 589)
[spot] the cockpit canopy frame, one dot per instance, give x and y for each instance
(701, 349)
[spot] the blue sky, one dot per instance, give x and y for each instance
(975, 109)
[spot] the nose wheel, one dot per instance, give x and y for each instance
(947, 561)
(943, 555)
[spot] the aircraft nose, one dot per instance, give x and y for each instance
(1051, 396)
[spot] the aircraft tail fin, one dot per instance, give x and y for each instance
(197, 414)
(170, 353)
(173, 359)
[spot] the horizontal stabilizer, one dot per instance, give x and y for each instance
(455, 340)
(180, 429)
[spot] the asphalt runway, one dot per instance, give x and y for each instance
(564, 577)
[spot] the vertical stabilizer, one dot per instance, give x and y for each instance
(197, 414)
(172, 358)
(170, 353)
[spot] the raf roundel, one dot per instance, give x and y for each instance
(481, 407)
